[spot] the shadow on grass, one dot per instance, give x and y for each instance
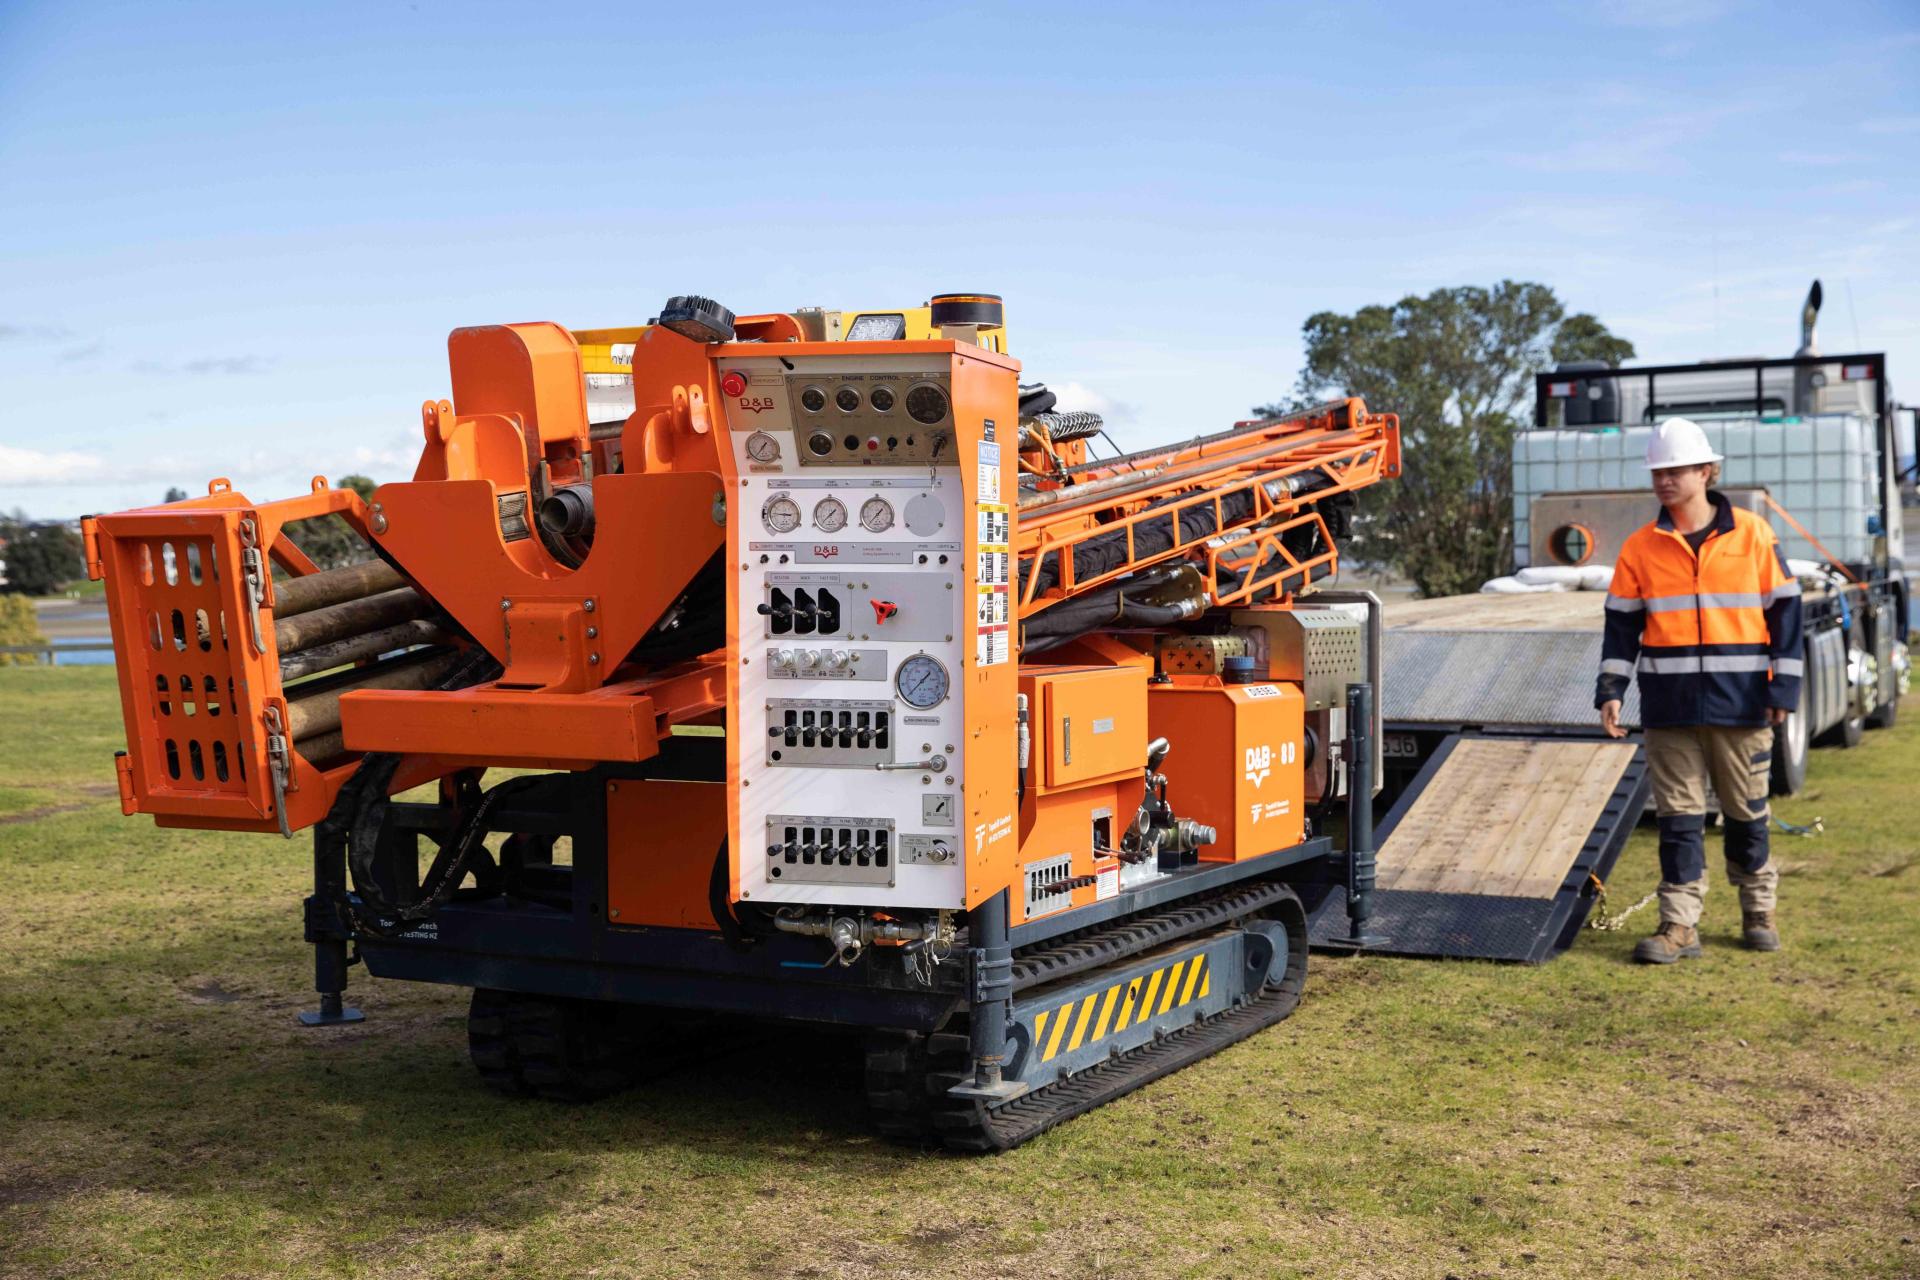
(206, 1090)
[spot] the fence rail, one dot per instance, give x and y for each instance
(54, 650)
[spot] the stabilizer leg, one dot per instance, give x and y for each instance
(329, 933)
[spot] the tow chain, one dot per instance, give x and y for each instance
(1603, 919)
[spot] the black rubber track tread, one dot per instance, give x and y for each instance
(490, 1044)
(562, 1050)
(1103, 944)
(909, 1074)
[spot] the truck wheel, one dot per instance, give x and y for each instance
(564, 1050)
(1789, 770)
(1885, 714)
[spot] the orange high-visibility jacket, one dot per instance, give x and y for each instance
(1716, 636)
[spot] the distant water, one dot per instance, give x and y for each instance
(85, 657)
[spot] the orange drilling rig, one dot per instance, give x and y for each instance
(840, 682)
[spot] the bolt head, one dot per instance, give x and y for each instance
(593, 659)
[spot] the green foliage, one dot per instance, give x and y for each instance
(175, 494)
(18, 625)
(329, 540)
(1457, 366)
(41, 558)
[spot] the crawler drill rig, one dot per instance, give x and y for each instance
(845, 686)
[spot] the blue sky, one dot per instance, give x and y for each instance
(233, 238)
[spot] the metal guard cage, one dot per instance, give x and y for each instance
(189, 591)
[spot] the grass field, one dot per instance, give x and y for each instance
(161, 1114)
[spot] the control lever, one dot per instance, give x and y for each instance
(932, 764)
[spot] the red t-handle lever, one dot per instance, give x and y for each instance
(882, 610)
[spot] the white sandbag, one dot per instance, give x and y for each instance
(1515, 587)
(1596, 577)
(1555, 575)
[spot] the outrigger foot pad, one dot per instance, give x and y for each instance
(333, 1012)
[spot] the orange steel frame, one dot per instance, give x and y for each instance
(1351, 446)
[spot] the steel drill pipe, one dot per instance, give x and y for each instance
(324, 657)
(351, 618)
(319, 713)
(333, 586)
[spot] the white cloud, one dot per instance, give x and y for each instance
(37, 466)
(1077, 397)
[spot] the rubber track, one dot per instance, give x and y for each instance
(908, 1074)
(978, 1129)
(1104, 944)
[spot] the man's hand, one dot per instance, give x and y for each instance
(1776, 716)
(1610, 719)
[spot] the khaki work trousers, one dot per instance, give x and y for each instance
(1736, 761)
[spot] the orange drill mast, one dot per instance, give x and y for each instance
(854, 681)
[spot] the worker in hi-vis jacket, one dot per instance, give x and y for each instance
(1702, 600)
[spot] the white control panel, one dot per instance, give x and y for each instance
(853, 624)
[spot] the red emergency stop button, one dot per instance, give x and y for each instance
(882, 610)
(734, 383)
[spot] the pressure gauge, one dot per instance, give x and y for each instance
(830, 515)
(848, 399)
(881, 398)
(813, 399)
(780, 515)
(926, 404)
(921, 682)
(762, 447)
(876, 515)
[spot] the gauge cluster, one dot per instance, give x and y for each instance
(854, 620)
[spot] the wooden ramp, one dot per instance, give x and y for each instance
(1493, 849)
(1503, 817)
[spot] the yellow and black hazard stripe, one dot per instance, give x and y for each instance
(1089, 1019)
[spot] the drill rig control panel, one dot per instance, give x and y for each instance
(869, 537)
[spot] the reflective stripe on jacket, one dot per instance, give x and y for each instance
(1716, 636)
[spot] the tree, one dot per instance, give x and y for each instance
(1457, 365)
(175, 494)
(330, 541)
(40, 558)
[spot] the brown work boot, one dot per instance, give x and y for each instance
(1758, 932)
(1672, 942)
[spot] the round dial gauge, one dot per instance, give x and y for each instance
(876, 515)
(762, 447)
(780, 515)
(848, 398)
(820, 444)
(830, 514)
(927, 403)
(813, 399)
(881, 398)
(921, 682)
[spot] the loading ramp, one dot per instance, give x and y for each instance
(1492, 851)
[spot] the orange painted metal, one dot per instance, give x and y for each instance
(199, 670)
(523, 728)
(1349, 446)
(1091, 720)
(662, 837)
(1237, 761)
(1062, 822)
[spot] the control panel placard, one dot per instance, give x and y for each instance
(854, 542)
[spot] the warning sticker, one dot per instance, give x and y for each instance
(1106, 884)
(989, 466)
(992, 614)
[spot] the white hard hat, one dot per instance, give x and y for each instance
(1679, 442)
